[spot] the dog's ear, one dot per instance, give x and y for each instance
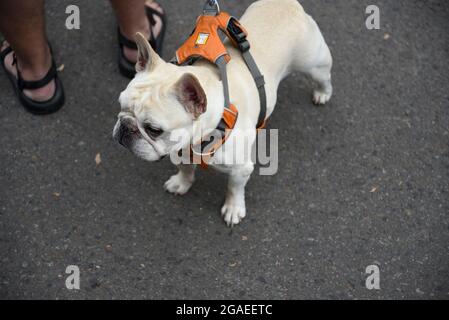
(191, 95)
(147, 58)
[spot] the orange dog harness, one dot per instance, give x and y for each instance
(205, 43)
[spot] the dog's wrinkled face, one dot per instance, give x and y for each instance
(158, 106)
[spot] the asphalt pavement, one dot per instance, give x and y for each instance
(362, 181)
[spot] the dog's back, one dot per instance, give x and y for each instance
(284, 38)
(274, 27)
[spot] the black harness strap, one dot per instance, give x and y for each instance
(239, 37)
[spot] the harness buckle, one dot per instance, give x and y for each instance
(211, 8)
(238, 35)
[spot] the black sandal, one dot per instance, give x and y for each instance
(36, 107)
(127, 68)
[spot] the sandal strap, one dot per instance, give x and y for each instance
(5, 52)
(151, 12)
(126, 42)
(123, 41)
(152, 21)
(32, 85)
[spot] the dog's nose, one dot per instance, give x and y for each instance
(126, 132)
(122, 135)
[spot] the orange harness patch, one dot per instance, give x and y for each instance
(205, 43)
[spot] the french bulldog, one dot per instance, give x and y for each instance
(166, 100)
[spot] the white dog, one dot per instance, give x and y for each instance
(165, 100)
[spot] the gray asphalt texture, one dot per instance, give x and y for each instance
(362, 181)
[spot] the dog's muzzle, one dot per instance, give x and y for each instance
(127, 132)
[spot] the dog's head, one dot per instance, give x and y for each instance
(159, 103)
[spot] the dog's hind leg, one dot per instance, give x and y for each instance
(321, 75)
(315, 60)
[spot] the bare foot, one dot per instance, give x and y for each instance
(42, 94)
(131, 54)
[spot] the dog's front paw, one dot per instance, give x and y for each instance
(178, 184)
(320, 97)
(232, 213)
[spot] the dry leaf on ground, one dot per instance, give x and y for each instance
(98, 159)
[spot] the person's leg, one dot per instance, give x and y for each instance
(22, 23)
(132, 18)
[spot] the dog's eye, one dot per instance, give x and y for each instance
(153, 132)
